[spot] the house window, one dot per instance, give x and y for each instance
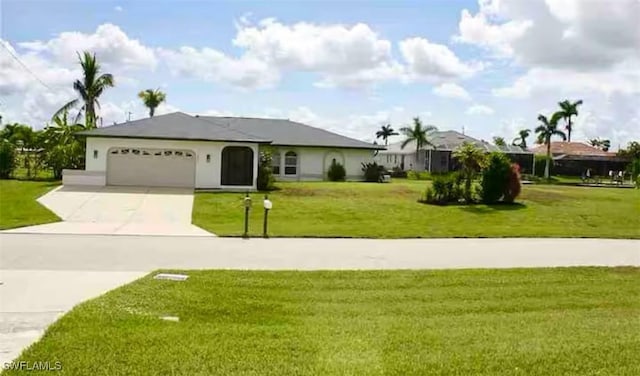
(275, 163)
(291, 163)
(426, 160)
(95, 154)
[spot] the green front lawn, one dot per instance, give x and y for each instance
(568, 321)
(18, 205)
(325, 209)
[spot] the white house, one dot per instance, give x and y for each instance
(207, 152)
(439, 158)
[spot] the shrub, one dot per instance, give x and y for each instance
(336, 172)
(495, 177)
(373, 172)
(7, 159)
(397, 172)
(265, 181)
(418, 175)
(445, 189)
(513, 186)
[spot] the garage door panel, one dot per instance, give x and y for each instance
(151, 167)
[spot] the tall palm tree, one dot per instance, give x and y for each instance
(419, 134)
(89, 89)
(521, 140)
(152, 99)
(569, 109)
(545, 131)
(385, 132)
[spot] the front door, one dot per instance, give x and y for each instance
(237, 166)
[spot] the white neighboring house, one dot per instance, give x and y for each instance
(207, 152)
(439, 159)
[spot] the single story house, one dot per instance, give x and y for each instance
(439, 159)
(210, 152)
(574, 158)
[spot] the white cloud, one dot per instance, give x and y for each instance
(479, 109)
(623, 78)
(434, 61)
(118, 8)
(450, 90)
(350, 56)
(111, 45)
(214, 66)
(570, 34)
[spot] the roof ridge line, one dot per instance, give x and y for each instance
(210, 121)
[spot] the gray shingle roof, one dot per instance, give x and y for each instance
(174, 126)
(289, 133)
(451, 140)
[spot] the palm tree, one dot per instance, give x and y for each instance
(545, 131)
(568, 110)
(472, 159)
(385, 132)
(604, 145)
(499, 141)
(419, 134)
(89, 90)
(152, 99)
(521, 140)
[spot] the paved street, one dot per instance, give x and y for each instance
(45, 275)
(144, 253)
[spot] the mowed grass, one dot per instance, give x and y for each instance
(18, 205)
(567, 321)
(325, 209)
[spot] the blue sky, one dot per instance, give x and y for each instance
(345, 66)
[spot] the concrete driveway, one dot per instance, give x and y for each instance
(119, 211)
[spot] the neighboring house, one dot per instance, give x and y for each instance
(180, 150)
(439, 159)
(574, 158)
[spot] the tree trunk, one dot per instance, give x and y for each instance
(569, 131)
(151, 111)
(546, 166)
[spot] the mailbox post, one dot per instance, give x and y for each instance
(247, 207)
(267, 206)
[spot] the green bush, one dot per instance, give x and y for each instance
(445, 189)
(265, 181)
(418, 175)
(373, 172)
(495, 177)
(336, 172)
(397, 172)
(7, 159)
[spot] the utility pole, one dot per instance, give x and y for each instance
(129, 115)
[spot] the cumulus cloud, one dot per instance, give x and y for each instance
(450, 90)
(574, 34)
(479, 109)
(351, 56)
(434, 61)
(112, 46)
(214, 66)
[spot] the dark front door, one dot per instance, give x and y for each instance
(237, 166)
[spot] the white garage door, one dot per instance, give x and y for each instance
(151, 167)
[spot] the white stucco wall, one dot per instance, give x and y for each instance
(313, 162)
(207, 173)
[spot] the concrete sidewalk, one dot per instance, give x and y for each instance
(31, 300)
(145, 253)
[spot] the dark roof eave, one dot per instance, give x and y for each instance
(171, 138)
